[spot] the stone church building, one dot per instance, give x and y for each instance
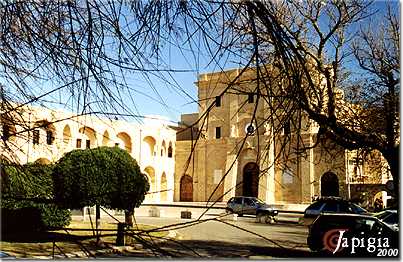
(229, 148)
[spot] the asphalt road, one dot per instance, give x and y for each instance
(243, 238)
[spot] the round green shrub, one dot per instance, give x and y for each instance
(106, 176)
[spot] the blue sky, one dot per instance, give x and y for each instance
(169, 102)
(177, 104)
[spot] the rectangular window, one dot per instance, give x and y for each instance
(218, 132)
(88, 143)
(78, 143)
(218, 101)
(287, 127)
(6, 132)
(238, 200)
(49, 137)
(170, 151)
(35, 137)
(251, 98)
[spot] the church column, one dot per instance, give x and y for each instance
(307, 173)
(268, 165)
(230, 179)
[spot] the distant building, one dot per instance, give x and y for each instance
(45, 135)
(226, 153)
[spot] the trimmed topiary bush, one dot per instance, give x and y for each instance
(105, 176)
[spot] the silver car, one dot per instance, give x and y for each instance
(242, 205)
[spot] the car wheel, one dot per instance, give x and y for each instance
(259, 218)
(269, 219)
(229, 211)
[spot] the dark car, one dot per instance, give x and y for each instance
(352, 235)
(388, 216)
(330, 204)
(242, 205)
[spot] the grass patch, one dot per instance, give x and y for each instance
(78, 236)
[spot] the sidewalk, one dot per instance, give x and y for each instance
(112, 251)
(289, 218)
(139, 251)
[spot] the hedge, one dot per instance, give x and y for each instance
(27, 199)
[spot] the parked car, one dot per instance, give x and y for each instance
(364, 234)
(4, 255)
(330, 204)
(389, 216)
(242, 205)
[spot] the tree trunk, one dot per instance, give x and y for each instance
(97, 221)
(129, 217)
(129, 223)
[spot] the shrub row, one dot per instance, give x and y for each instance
(27, 195)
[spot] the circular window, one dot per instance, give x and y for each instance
(250, 129)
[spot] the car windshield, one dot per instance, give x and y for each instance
(258, 201)
(381, 215)
(391, 219)
(359, 209)
(315, 206)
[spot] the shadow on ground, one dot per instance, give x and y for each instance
(220, 249)
(41, 237)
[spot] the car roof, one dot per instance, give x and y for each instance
(353, 215)
(244, 197)
(332, 199)
(390, 210)
(326, 214)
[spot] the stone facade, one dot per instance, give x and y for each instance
(46, 135)
(218, 157)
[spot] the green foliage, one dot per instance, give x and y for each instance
(27, 195)
(106, 176)
(33, 216)
(54, 216)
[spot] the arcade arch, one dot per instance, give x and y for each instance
(106, 141)
(125, 141)
(150, 172)
(9, 131)
(163, 190)
(45, 129)
(148, 149)
(66, 134)
(42, 161)
(89, 136)
(163, 148)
